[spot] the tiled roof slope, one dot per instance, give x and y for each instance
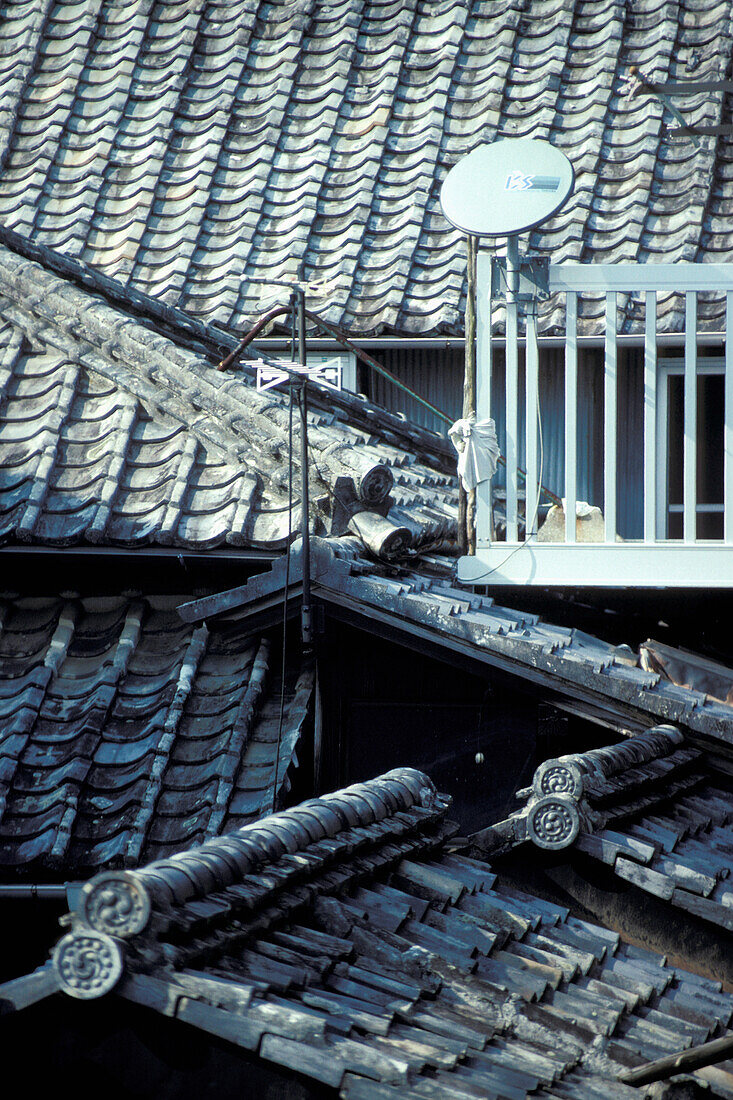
(126, 735)
(653, 808)
(584, 672)
(179, 146)
(342, 940)
(111, 433)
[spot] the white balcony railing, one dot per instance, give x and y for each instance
(677, 460)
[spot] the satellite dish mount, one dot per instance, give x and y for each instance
(501, 190)
(504, 189)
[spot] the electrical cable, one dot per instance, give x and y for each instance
(342, 338)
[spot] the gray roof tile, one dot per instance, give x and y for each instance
(112, 434)
(127, 734)
(584, 671)
(321, 140)
(386, 976)
(652, 808)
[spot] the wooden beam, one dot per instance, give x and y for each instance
(22, 992)
(469, 380)
(684, 1062)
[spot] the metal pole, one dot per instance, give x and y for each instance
(45, 892)
(512, 388)
(512, 268)
(305, 615)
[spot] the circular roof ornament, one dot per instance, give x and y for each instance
(116, 903)
(506, 187)
(88, 964)
(553, 822)
(558, 777)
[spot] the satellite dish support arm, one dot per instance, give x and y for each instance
(512, 268)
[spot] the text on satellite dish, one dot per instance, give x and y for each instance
(517, 181)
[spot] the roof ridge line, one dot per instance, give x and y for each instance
(120, 903)
(149, 311)
(583, 793)
(185, 331)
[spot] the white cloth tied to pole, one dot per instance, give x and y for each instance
(478, 450)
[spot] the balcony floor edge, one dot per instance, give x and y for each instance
(601, 565)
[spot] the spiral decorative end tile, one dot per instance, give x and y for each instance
(116, 903)
(88, 964)
(553, 822)
(558, 777)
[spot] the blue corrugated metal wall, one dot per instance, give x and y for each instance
(437, 375)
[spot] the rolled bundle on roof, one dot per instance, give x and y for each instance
(371, 477)
(380, 536)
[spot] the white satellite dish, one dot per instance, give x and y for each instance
(506, 187)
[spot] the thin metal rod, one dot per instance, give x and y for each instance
(305, 614)
(531, 416)
(339, 337)
(317, 737)
(512, 421)
(571, 414)
(728, 421)
(257, 327)
(469, 386)
(650, 417)
(342, 339)
(512, 389)
(610, 426)
(512, 267)
(286, 592)
(445, 343)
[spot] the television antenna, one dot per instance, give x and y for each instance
(270, 375)
(637, 84)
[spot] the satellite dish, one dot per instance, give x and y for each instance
(506, 187)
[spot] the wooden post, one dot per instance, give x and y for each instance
(469, 389)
